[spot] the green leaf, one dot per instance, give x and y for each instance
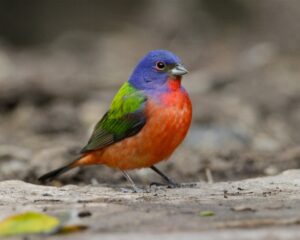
(28, 223)
(207, 213)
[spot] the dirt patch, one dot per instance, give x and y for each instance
(255, 203)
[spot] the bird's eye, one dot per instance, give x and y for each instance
(160, 65)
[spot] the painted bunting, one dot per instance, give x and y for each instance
(147, 120)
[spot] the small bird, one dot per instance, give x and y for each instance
(148, 118)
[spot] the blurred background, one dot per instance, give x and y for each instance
(61, 62)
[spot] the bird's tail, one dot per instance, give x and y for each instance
(87, 159)
(55, 173)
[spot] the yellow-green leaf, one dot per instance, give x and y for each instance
(207, 213)
(28, 223)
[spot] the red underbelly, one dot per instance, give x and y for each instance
(165, 129)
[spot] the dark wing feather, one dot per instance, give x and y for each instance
(131, 124)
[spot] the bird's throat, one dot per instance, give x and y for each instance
(174, 83)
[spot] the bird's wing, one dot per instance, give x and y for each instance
(125, 118)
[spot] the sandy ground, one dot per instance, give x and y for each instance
(269, 204)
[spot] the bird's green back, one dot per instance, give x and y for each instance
(125, 118)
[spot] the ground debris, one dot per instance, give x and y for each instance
(243, 208)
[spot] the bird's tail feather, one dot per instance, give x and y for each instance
(55, 173)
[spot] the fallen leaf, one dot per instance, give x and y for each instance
(207, 213)
(28, 223)
(37, 223)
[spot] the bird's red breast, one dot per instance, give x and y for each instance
(168, 121)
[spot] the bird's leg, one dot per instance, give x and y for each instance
(169, 181)
(128, 178)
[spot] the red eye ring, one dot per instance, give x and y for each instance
(160, 65)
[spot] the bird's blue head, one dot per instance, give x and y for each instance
(154, 70)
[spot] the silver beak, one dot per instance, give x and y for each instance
(178, 70)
